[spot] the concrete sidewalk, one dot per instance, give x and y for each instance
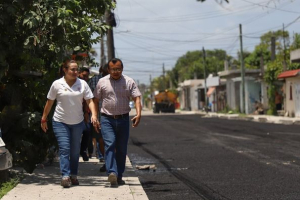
(44, 184)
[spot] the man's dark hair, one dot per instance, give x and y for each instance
(115, 60)
(84, 69)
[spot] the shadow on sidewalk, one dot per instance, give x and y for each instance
(88, 175)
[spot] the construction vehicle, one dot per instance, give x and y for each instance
(165, 102)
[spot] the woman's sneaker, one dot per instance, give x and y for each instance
(65, 182)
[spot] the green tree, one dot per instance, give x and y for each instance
(252, 61)
(296, 42)
(191, 64)
(36, 36)
(274, 68)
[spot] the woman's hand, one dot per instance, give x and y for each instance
(95, 123)
(47, 109)
(44, 126)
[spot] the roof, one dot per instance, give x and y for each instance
(287, 74)
(237, 72)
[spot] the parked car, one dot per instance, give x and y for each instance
(131, 104)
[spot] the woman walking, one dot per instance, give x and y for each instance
(69, 92)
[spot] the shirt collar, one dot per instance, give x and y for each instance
(63, 82)
(115, 79)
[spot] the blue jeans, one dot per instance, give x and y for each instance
(68, 138)
(115, 133)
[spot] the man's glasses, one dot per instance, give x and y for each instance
(116, 70)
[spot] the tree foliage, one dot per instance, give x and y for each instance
(191, 65)
(296, 42)
(36, 36)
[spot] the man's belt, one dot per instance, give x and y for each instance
(115, 116)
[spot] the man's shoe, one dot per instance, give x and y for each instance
(101, 159)
(84, 157)
(120, 181)
(112, 178)
(65, 182)
(74, 181)
(103, 168)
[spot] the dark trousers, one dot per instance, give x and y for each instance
(86, 140)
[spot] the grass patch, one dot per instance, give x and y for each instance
(9, 185)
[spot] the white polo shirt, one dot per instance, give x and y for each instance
(69, 100)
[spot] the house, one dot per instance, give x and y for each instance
(190, 97)
(216, 93)
(291, 87)
(254, 89)
(192, 94)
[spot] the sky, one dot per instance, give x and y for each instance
(150, 34)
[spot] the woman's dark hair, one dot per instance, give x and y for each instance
(69, 63)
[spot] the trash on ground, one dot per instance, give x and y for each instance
(146, 167)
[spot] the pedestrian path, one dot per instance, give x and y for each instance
(44, 184)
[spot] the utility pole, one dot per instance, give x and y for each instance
(273, 48)
(284, 50)
(164, 78)
(204, 65)
(102, 54)
(195, 74)
(110, 20)
(242, 70)
(151, 92)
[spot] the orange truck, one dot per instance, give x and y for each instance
(165, 102)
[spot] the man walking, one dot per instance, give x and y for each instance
(115, 92)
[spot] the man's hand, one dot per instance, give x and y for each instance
(135, 121)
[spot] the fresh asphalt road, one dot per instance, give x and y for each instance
(213, 158)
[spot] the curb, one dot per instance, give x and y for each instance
(254, 118)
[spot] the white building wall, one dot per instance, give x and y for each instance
(290, 103)
(230, 93)
(194, 98)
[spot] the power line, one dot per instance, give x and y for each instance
(177, 19)
(266, 6)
